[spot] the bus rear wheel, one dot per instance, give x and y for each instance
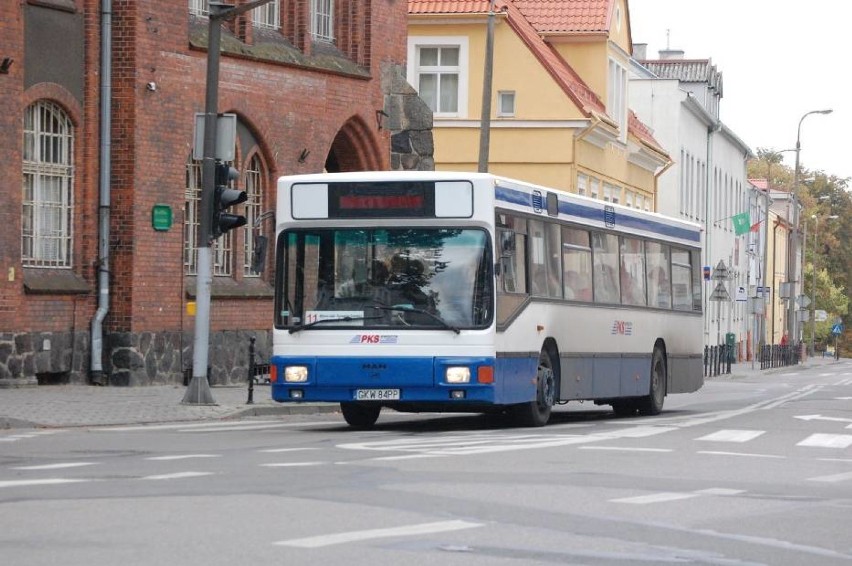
(652, 404)
(537, 413)
(360, 415)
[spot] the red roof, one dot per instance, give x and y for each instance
(560, 16)
(531, 18)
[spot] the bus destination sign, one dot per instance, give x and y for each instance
(381, 200)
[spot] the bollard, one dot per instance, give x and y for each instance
(251, 370)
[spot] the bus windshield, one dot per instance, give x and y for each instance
(437, 278)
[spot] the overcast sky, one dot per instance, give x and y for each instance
(779, 59)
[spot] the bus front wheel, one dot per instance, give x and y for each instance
(360, 415)
(537, 413)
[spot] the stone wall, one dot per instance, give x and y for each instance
(136, 359)
(409, 121)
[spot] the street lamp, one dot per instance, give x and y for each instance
(813, 286)
(794, 234)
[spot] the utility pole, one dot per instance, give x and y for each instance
(198, 391)
(485, 118)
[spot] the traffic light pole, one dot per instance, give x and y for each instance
(198, 391)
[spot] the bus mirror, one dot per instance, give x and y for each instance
(258, 256)
(498, 269)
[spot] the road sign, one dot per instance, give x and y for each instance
(742, 296)
(820, 316)
(721, 272)
(836, 329)
(720, 293)
(803, 301)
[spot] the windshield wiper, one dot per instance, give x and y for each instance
(410, 308)
(322, 320)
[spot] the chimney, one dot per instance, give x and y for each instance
(671, 54)
(640, 51)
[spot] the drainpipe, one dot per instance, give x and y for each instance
(97, 372)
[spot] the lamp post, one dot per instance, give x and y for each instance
(794, 233)
(813, 286)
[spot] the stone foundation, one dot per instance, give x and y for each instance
(131, 359)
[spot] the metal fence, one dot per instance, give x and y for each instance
(718, 360)
(775, 355)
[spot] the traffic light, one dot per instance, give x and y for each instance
(224, 197)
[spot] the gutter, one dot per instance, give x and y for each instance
(96, 370)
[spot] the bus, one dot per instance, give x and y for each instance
(470, 292)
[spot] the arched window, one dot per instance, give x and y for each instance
(48, 187)
(254, 177)
(192, 218)
(222, 249)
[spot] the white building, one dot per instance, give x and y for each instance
(679, 100)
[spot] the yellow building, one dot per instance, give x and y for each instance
(559, 114)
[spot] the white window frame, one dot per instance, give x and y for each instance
(415, 43)
(47, 227)
(253, 181)
(222, 248)
(267, 16)
(322, 20)
(616, 104)
(582, 184)
(505, 96)
(594, 187)
(199, 8)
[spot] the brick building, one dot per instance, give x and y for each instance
(94, 143)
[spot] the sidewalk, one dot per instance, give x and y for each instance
(84, 405)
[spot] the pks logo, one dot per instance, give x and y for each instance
(373, 339)
(622, 327)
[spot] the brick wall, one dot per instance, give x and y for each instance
(289, 105)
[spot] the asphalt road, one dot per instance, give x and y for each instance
(752, 471)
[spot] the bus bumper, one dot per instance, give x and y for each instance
(390, 381)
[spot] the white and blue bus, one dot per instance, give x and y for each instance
(469, 292)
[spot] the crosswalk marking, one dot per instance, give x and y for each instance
(177, 476)
(291, 464)
(666, 496)
(732, 435)
(827, 441)
(183, 457)
(57, 466)
(833, 478)
(354, 536)
(46, 481)
(720, 453)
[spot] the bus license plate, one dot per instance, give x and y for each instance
(376, 394)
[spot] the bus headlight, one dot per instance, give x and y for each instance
(295, 374)
(458, 374)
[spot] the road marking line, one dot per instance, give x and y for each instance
(58, 466)
(277, 450)
(354, 536)
(626, 449)
(720, 453)
(833, 478)
(732, 435)
(827, 441)
(655, 498)
(291, 464)
(666, 496)
(50, 481)
(177, 476)
(720, 491)
(183, 457)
